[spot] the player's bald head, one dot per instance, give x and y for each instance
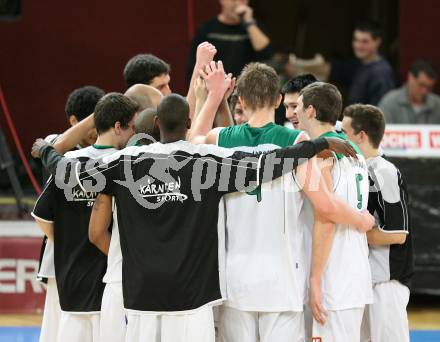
(144, 123)
(173, 113)
(146, 96)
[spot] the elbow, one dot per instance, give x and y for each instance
(93, 235)
(401, 239)
(327, 209)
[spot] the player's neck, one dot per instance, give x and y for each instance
(318, 129)
(106, 139)
(262, 117)
(170, 137)
(369, 151)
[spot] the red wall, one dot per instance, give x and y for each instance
(419, 34)
(57, 46)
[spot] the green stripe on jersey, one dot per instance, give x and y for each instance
(245, 135)
(342, 136)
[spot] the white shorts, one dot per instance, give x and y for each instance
(78, 327)
(194, 327)
(51, 314)
(340, 326)
(113, 324)
(246, 326)
(386, 319)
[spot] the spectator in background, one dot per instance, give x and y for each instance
(236, 35)
(414, 102)
(370, 76)
(150, 70)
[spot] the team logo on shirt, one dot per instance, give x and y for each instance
(79, 195)
(162, 191)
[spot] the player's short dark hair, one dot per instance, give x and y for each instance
(370, 26)
(325, 98)
(258, 85)
(82, 101)
(173, 112)
(143, 68)
(296, 84)
(369, 119)
(425, 66)
(112, 108)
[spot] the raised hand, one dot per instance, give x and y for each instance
(205, 53)
(231, 88)
(217, 82)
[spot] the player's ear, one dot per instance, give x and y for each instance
(188, 123)
(73, 120)
(117, 127)
(156, 122)
(279, 99)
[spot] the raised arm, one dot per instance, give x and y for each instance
(204, 55)
(73, 136)
(100, 222)
(217, 84)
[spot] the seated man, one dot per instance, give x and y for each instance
(414, 102)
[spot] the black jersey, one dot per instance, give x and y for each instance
(167, 197)
(387, 201)
(79, 265)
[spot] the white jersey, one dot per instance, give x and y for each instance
(347, 279)
(265, 259)
(114, 258)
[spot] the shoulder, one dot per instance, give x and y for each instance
(83, 152)
(383, 66)
(209, 25)
(392, 96)
(225, 134)
(292, 136)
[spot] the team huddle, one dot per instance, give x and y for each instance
(197, 218)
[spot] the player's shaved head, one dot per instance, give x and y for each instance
(144, 123)
(173, 113)
(144, 95)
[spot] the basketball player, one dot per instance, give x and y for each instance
(80, 103)
(391, 253)
(150, 70)
(104, 217)
(291, 93)
(80, 266)
(340, 274)
(173, 301)
(265, 268)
